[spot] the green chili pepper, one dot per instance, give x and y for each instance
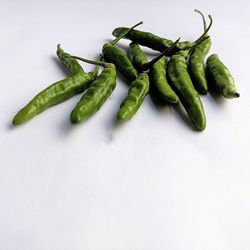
(220, 77)
(70, 63)
(158, 79)
(196, 63)
(114, 55)
(150, 40)
(139, 59)
(178, 74)
(54, 94)
(97, 93)
(177, 71)
(136, 94)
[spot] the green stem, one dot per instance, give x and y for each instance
(206, 31)
(203, 19)
(165, 52)
(99, 63)
(125, 33)
(96, 70)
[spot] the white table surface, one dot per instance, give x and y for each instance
(153, 183)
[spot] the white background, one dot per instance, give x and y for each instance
(153, 183)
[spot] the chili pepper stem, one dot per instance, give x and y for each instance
(96, 70)
(125, 33)
(206, 30)
(203, 19)
(99, 63)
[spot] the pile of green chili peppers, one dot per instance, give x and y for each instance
(177, 74)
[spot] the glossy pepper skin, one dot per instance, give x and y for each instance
(136, 94)
(150, 40)
(114, 55)
(70, 63)
(197, 66)
(54, 94)
(137, 57)
(177, 71)
(96, 95)
(158, 79)
(220, 77)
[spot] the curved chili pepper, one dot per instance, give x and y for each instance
(178, 74)
(70, 63)
(158, 79)
(136, 94)
(196, 62)
(54, 94)
(220, 77)
(150, 40)
(136, 56)
(177, 71)
(96, 94)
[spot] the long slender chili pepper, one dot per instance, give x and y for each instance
(158, 80)
(220, 77)
(54, 94)
(136, 94)
(71, 64)
(178, 74)
(149, 39)
(196, 62)
(136, 56)
(139, 59)
(97, 93)
(177, 71)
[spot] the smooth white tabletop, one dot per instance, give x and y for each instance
(152, 183)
